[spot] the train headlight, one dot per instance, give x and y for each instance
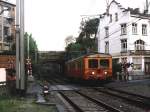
(105, 73)
(93, 73)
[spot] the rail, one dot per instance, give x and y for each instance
(76, 107)
(107, 106)
(136, 100)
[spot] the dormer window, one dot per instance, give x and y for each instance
(116, 16)
(110, 18)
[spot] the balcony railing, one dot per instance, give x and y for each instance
(139, 52)
(123, 50)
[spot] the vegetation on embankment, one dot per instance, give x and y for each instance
(9, 104)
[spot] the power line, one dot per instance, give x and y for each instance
(96, 16)
(118, 36)
(120, 29)
(128, 24)
(111, 25)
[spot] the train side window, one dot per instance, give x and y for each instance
(80, 66)
(68, 67)
(104, 63)
(93, 63)
(76, 65)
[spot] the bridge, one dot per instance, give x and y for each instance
(55, 59)
(51, 56)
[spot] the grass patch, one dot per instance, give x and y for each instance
(9, 104)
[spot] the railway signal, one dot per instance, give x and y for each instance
(125, 71)
(28, 67)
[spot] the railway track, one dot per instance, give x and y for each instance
(101, 99)
(134, 99)
(84, 103)
(92, 100)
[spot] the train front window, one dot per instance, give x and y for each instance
(104, 63)
(93, 63)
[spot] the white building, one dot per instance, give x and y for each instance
(7, 25)
(125, 34)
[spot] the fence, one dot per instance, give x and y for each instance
(6, 88)
(3, 88)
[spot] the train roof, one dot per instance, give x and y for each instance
(91, 55)
(98, 55)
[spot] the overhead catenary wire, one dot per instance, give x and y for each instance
(120, 30)
(118, 36)
(95, 16)
(128, 24)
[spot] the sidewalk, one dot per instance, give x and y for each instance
(132, 77)
(33, 88)
(139, 77)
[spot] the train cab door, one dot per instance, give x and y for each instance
(147, 68)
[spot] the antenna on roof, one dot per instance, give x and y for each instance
(107, 6)
(146, 7)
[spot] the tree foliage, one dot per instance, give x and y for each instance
(69, 39)
(91, 26)
(86, 41)
(32, 46)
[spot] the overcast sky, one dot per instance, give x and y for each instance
(51, 21)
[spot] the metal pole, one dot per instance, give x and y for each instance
(36, 56)
(2, 17)
(22, 67)
(28, 46)
(17, 44)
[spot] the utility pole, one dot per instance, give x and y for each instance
(17, 44)
(20, 72)
(22, 65)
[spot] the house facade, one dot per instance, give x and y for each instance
(125, 34)
(7, 25)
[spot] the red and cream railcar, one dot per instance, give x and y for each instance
(90, 67)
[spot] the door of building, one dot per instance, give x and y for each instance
(147, 68)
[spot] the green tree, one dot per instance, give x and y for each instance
(88, 34)
(32, 46)
(90, 27)
(86, 41)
